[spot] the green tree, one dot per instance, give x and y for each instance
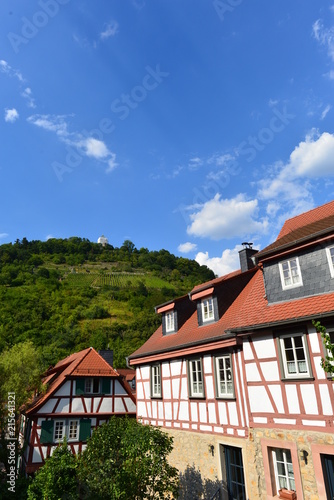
(127, 460)
(327, 363)
(57, 479)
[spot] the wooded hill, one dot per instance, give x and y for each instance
(68, 294)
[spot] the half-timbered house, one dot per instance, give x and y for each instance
(234, 371)
(82, 392)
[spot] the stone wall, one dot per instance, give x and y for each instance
(194, 449)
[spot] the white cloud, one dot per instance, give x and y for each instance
(11, 115)
(3, 235)
(27, 94)
(325, 111)
(314, 156)
(325, 36)
(228, 262)
(110, 30)
(52, 123)
(195, 163)
(89, 146)
(227, 218)
(8, 70)
(187, 247)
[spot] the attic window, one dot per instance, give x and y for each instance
(290, 273)
(92, 385)
(207, 309)
(330, 258)
(170, 321)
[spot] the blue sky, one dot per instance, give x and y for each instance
(178, 124)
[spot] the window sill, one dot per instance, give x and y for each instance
(297, 379)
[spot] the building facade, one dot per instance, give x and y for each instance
(82, 392)
(234, 372)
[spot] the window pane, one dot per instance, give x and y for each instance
(96, 385)
(88, 385)
(298, 341)
(287, 343)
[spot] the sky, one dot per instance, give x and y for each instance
(184, 125)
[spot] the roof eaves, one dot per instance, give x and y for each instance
(292, 244)
(224, 336)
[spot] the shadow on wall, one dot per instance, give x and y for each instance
(194, 487)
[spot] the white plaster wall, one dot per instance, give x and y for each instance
(248, 355)
(202, 412)
(168, 411)
(119, 389)
(48, 406)
(145, 372)
(184, 388)
(252, 373)
(258, 400)
(165, 370)
(64, 406)
(106, 406)
(141, 410)
(119, 406)
(184, 411)
(96, 403)
(314, 341)
(36, 456)
(309, 399)
(175, 368)
(207, 364)
(166, 389)
(194, 412)
(222, 413)
(140, 391)
(212, 413)
(176, 388)
(265, 347)
(325, 400)
(276, 393)
(233, 414)
(321, 375)
(270, 370)
(147, 389)
(292, 398)
(130, 404)
(77, 406)
(64, 390)
(210, 394)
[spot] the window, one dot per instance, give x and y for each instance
(283, 469)
(196, 378)
(330, 258)
(156, 381)
(59, 430)
(224, 376)
(290, 274)
(294, 356)
(170, 321)
(73, 430)
(207, 309)
(92, 385)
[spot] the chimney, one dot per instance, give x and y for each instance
(245, 256)
(107, 355)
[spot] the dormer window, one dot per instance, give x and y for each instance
(170, 321)
(290, 273)
(92, 385)
(330, 258)
(207, 310)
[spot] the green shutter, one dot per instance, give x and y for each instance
(47, 432)
(85, 425)
(105, 386)
(79, 386)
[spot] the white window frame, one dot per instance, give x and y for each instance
(76, 426)
(297, 374)
(89, 386)
(156, 381)
(330, 259)
(170, 321)
(287, 464)
(228, 372)
(57, 424)
(298, 283)
(208, 312)
(196, 378)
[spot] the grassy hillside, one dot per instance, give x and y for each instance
(66, 295)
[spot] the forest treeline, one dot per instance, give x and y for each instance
(68, 294)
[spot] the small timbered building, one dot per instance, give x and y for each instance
(82, 392)
(234, 372)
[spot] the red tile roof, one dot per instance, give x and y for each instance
(249, 311)
(307, 218)
(83, 363)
